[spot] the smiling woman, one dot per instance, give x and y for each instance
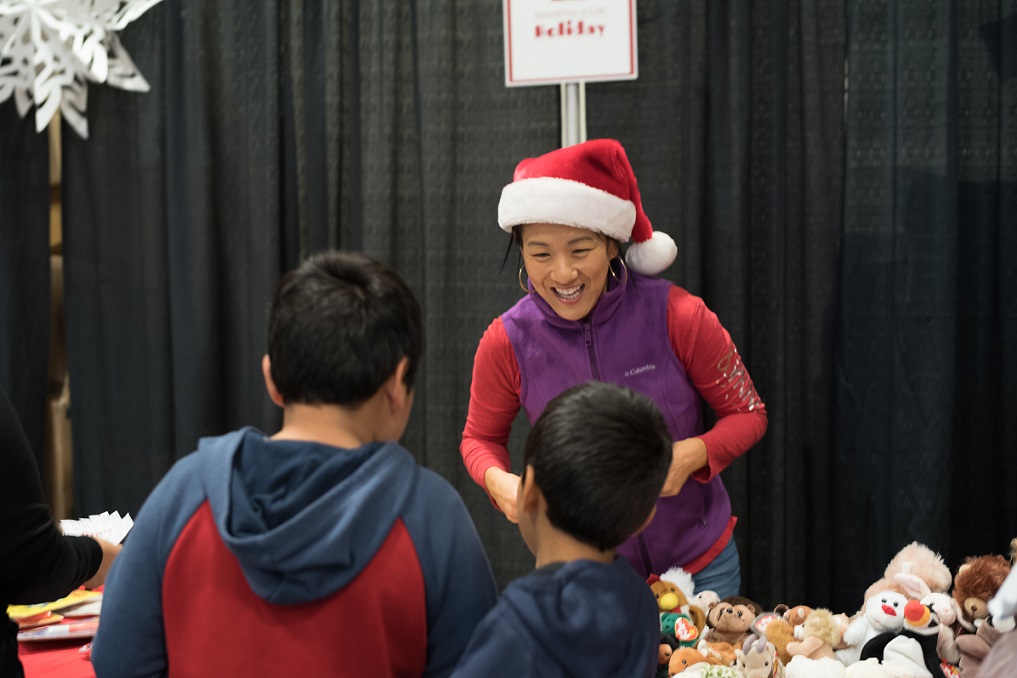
(567, 266)
(590, 315)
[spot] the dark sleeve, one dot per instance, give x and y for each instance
(39, 563)
(497, 648)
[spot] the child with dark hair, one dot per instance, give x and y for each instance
(323, 549)
(595, 462)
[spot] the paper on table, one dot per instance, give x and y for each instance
(82, 629)
(107, 526)
(73, 599)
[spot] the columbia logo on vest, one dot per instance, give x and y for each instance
(639, 370)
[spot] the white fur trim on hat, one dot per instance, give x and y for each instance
(652, 256)
(550, 200)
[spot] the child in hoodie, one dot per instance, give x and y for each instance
(595, 462)
(323, 549)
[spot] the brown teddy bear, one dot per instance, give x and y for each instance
(977, 581)
(729, 623)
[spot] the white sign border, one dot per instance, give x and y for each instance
(631, 74)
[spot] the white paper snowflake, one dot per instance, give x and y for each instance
(51, 49)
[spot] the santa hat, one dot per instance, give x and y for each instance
(590, 185)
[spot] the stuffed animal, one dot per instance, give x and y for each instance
(1005, 601)
(883, 612)
(902, 656)
(1002, 658)
(920, 629)
(755, 607)
(665, 649)
(728, 623)
(683, 658)
(681, 627)
(975, 647)
(705, 600)
(669, 595)
(916, 562)
(719, 652)
(869, 668)
(977, 581)
(757, 658)
(951, 621)
(780, 633)
(794, 615)
(672, 598)
(820, 634)
(682, 579)
(803, 667)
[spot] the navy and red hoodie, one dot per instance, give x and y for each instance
(261, 557)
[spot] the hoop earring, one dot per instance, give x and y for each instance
(624, 268)
(520, 277)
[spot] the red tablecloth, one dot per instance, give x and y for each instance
(56, 658)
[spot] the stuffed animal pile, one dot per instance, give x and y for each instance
(918, 620)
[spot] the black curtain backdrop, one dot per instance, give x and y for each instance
(24, 271)
(839, 176)
(926, 357)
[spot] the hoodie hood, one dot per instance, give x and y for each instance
(303, 519)
(592, 619)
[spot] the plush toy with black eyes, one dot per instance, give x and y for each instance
(729, 624)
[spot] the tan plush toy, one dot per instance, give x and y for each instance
(780, 633)
(821, 633)
(757, 658)
(915, 571)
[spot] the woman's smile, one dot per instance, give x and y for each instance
(569, 295)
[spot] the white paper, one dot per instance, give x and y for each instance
(106, 526)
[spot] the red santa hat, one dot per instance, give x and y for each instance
(590, 185)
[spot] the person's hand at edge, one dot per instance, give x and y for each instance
(688, 456)
(109, 554)
(504, 489)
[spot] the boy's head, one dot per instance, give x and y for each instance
(599, 454)
(338, 327)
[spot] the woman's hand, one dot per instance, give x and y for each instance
(687, 457)
(504, 489)
(109, 554)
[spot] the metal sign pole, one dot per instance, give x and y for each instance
(573, 113)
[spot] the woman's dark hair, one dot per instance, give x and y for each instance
(338, 326)
(600, 455)
(516, 240)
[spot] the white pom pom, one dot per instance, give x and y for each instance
(680, 578)
(652, 256)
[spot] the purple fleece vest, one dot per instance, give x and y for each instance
(624, 341)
